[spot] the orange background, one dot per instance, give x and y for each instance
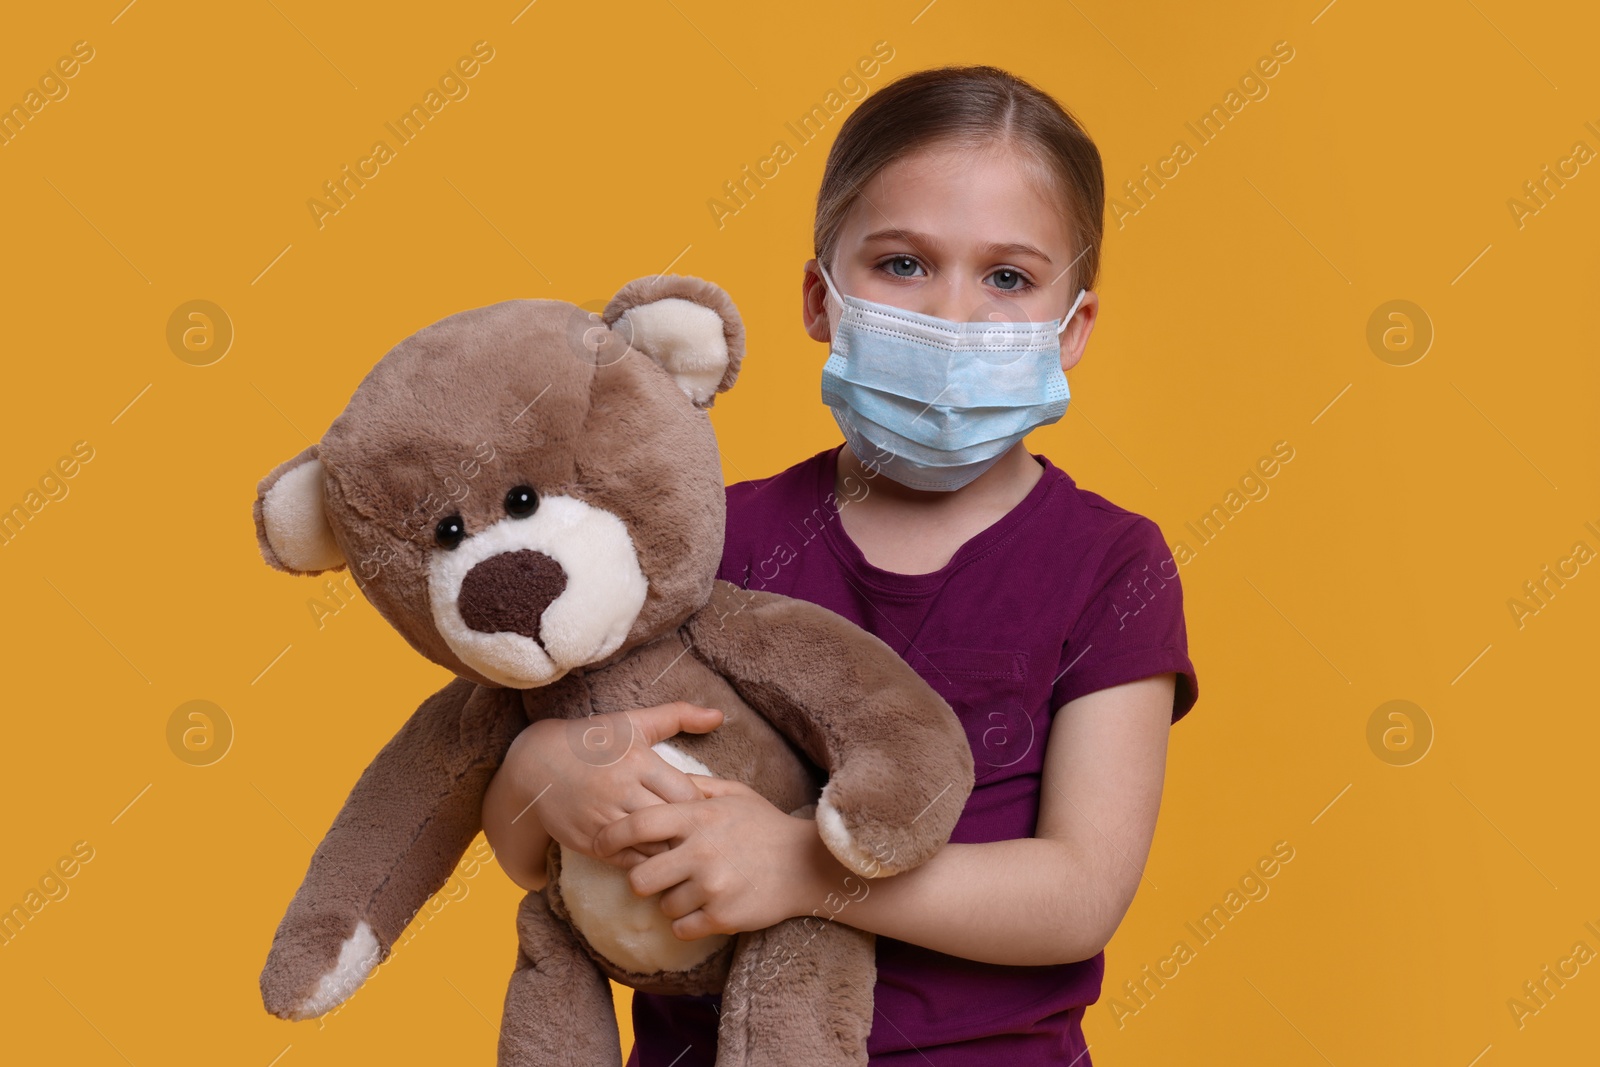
(1426, 486)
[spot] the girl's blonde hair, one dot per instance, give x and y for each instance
(982, 106)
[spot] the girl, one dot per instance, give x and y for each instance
(957, 239)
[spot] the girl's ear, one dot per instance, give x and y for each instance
(291, 521)
(814, 304)
(687, 325)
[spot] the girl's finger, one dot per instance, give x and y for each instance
(693, 926)
(658, 822)
(719, 787)
(683, 898)
(659, 873)
(633, 855)
(669, 783)
(614, 836)
(626, 858)
(642, 796)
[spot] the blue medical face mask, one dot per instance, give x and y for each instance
(934, 403)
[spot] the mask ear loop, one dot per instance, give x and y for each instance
(842, 305)
(1072, 311)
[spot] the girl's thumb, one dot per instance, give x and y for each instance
(664, 720)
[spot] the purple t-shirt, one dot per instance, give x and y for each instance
(1064, 595)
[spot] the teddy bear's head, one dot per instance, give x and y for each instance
(525, 489)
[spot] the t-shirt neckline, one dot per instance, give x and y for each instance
(976, 546)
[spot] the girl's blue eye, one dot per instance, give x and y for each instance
(899, 261)
(1008, 279)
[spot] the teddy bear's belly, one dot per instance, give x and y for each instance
(629, 930)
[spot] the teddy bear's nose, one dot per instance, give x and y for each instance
(508, 592)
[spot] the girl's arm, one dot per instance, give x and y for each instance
(513, 830)
(1056, 897)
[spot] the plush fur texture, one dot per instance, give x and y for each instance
(601, 598)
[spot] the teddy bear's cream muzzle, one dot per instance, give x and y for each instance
(528, 599)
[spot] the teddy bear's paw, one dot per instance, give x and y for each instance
(298, 983)
(849, 848)
(877, 823)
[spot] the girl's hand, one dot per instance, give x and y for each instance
(573, 777)
(735, 862)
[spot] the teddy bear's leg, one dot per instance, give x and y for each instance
(799, 994)
(558, 1010)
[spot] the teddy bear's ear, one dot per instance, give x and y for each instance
(688, 325)
(291, 522)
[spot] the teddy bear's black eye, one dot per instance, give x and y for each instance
(521, 502)
(450, 532)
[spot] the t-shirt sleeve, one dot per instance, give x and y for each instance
(1132, 625)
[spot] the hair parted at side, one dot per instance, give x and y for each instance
(978, 105)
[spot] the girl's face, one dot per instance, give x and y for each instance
(966, 235)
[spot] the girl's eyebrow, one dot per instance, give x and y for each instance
(922, 240)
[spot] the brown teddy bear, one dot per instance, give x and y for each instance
(531, 494)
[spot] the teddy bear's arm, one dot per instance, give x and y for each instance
(899, 764)
(403, 828)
